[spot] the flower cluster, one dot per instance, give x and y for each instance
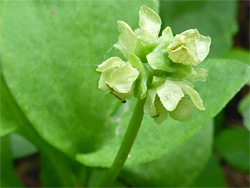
(160, 69)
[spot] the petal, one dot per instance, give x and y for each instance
(183, 111)
(121, 96)
(141, 83)
(149, 21)
(162, 112)
(149, 106)
(203, 47)
(110, 63)
(105, 78)
(191, 33)
(170, 94)
(194, 95)
(123, 78)
(127, 40)
(182, 55)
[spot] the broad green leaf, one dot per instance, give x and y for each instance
(55, 64)
(57, 169)
(178, 168)
(12, 116)
(50, 69)
(21, 147)
(240, 54)
(244, 109)
(86, 108)
(211, 175)
(8, 175)
(217, 19)
(233, 146)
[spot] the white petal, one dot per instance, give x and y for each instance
(149, 21)
(110, 63)
(170, 94)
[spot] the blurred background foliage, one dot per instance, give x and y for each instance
(226, 143)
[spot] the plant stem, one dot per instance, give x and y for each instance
(87, 176)
(127, 143)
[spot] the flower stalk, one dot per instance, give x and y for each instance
(127, 143)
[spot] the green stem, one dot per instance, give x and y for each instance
(127, 143)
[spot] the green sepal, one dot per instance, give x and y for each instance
(161, 111)
(158, 61)
(149, 106)
(140, 90)
(166, 38)
(157, 81)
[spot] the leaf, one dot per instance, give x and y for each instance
(50, 69)
(212, 18)
(55, 64)
(21, 147)
(244, 109)
(8, 175)
(239, 54)
(178, 168)
(233, 146)
(13, 119)
(211, 175)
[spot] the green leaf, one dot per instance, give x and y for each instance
(178, 168)
(50, 70)
(12, 116)
(233, 146)
(55, 64)
(21, 147)
(239, 54)
(212, 18)
(211, 175)
(8, 175)
(244, 109)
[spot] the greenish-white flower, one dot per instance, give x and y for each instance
(142, 40)
(171, 97)
(118, 77)
(189, 47)
(158, 68)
